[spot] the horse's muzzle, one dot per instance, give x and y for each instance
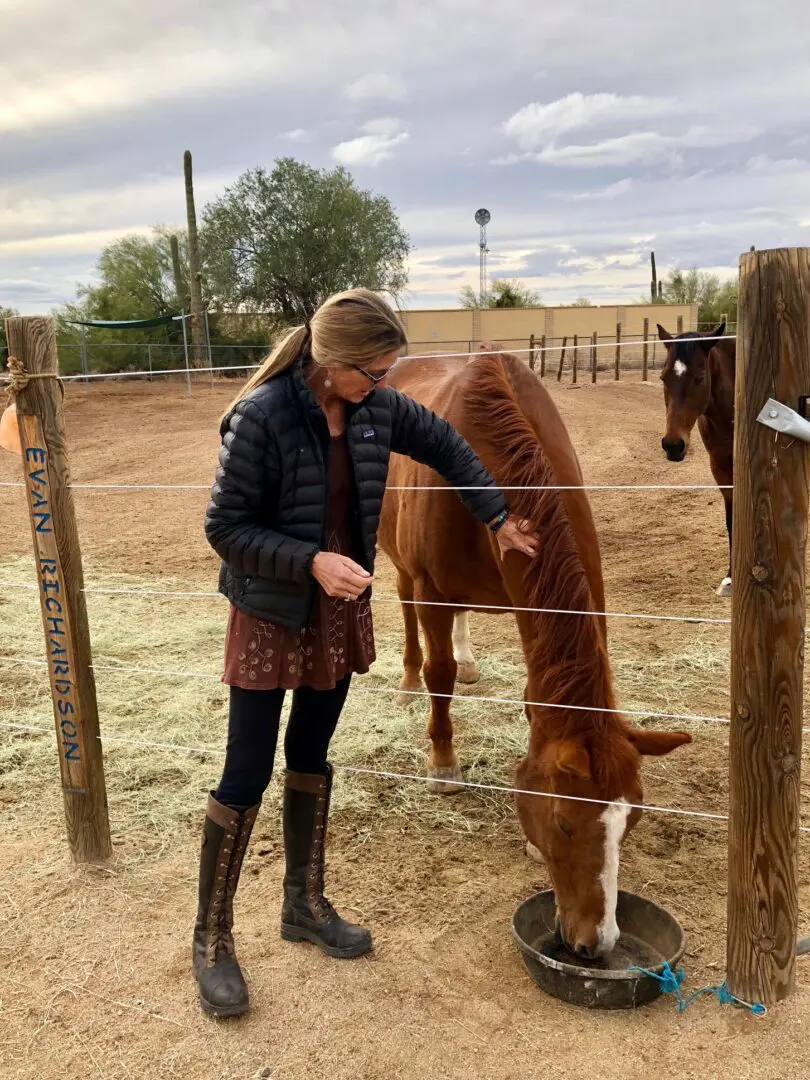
(675, 449)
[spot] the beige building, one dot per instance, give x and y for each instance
(460, 330)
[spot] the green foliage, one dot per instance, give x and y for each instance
(713, 297)
(582, 301)
(5, 313)
(284, 241)
(504, 293)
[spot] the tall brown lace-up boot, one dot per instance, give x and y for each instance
(306, 913)
(226, 833)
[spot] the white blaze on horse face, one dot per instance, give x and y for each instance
(462, 646)
(679, 367)
(614, 819)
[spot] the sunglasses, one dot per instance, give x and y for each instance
(373, 379)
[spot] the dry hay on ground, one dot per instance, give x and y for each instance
(95, 977)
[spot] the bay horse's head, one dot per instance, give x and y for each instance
(580, 840)
(687, 385)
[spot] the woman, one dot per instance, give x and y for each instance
(293, 515)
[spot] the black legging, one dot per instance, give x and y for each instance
(253, 723)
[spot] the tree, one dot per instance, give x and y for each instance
(5, 313)
(582, 301)
(503, 294)
(136, 279)
(713, 297)
(285, 241)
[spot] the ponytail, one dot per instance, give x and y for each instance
(283, 356)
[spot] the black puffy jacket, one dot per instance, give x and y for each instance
(267, 515)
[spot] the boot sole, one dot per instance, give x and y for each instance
(300, 933)
(222, 1012)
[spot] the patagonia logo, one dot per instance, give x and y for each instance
(369, 433)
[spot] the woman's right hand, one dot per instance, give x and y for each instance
(339, 576)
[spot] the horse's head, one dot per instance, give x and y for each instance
(580, 841)
(687, 385)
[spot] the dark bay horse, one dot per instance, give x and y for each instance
(698, 377)
(576, 747)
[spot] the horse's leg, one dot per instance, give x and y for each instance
(412, 657)
(440, 677)
(462, 651)
(725, 584)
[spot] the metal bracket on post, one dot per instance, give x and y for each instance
(783, 419)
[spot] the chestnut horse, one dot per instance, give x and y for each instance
(578, 746)
(698, 378)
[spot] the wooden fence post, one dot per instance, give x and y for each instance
(767, 632)
(59, 575)
(562, 358)
(576, 357)
(542, 356)
(680, 324)
(593, 356)
(531, 352)
(645, 350)
(618, 348)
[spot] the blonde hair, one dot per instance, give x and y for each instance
(351, 329)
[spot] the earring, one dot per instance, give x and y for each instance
(327, 383)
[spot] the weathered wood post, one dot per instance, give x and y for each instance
(531, 352)
(594, 343)
(767, 634)
(680, 325)
(562, 358)
(645, 350)
(542, 356)
(32, 342)
(576, 357)
(618, 349)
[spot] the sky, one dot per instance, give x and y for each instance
(593, 133)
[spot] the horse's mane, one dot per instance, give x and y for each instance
(568, 657)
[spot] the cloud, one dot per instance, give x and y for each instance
(297, 135)
(612, 191)
(377, 143)
(376, 86)
(638, 147)
(536, 124)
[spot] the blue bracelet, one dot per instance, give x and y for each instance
(497, 522)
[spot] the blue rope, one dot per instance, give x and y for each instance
(672, 981)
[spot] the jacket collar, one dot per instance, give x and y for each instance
(307, 398)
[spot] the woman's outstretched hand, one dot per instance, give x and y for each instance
(516, 535)
(340, 576)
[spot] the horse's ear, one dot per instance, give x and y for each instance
(568, 756)
(657, 743)
(663, 333)
(718, 332)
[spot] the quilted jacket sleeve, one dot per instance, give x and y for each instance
(427, 438)
(248, 469)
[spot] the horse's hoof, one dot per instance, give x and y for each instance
(444, 779)
(533, 852)
(408, 695)
(724, 588)
(467, 673)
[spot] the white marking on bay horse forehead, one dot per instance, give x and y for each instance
(614, 819)
(679, 367)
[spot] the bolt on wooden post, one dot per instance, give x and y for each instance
(771, 475)
(59, 577)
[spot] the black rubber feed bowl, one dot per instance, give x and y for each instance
(650, 937)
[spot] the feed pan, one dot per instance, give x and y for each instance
(650, 937)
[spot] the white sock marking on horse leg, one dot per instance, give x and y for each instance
(462, 649)
(614, 819)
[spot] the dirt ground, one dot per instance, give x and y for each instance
(95, 980)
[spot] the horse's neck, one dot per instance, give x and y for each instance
(720, 410)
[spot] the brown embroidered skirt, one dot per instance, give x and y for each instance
(263, 656)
